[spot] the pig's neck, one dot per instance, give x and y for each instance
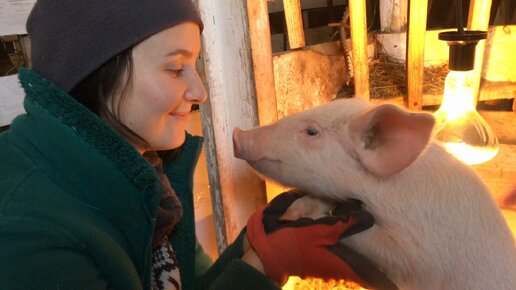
(432, 220)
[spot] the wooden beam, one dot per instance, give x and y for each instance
(261, 48)
(358, 26)
(294, 20)
(229, 74)
(479, 15)
(416, 53)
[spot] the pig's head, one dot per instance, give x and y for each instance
(346, 140)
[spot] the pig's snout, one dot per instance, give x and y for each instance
(248, 145)
(252, 145)
(242, 145)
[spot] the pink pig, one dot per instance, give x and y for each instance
(437, 225)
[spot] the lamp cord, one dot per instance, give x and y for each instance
(460, 22)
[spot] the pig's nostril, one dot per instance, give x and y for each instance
(236, 145)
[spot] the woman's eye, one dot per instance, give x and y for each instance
(312, 132)
(176, 72)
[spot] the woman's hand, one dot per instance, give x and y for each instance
(310, 247)
(251, 258)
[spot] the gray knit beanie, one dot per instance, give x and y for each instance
(72, 38)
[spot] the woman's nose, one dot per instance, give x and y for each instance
(196, 93)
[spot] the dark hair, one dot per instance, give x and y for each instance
(108, 87)
(98, 90)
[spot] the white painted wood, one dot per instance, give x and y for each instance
(393, 15)
(395, 45)
(386, 10)
(228, 71)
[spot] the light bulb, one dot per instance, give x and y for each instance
(459, 126)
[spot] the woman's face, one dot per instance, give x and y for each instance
(165, 86)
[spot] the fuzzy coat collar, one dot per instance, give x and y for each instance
(44, 99)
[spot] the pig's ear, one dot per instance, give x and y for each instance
(387, 139)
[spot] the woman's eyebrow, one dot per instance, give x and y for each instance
(179, 51)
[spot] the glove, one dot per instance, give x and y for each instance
(310, 248)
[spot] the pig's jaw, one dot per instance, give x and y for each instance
(267, 167)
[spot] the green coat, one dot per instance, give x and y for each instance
(78, 205)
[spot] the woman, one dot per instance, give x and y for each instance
(96, 182)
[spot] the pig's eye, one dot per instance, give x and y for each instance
(311, 132)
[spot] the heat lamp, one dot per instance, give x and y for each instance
(459, 127)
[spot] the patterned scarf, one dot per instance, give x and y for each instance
(165, 269)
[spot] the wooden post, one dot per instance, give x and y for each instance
(259, 32)
(229, 74)
(294, 20)
(260, 35)
(479, 14)
(358, 26)
(415, 59)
